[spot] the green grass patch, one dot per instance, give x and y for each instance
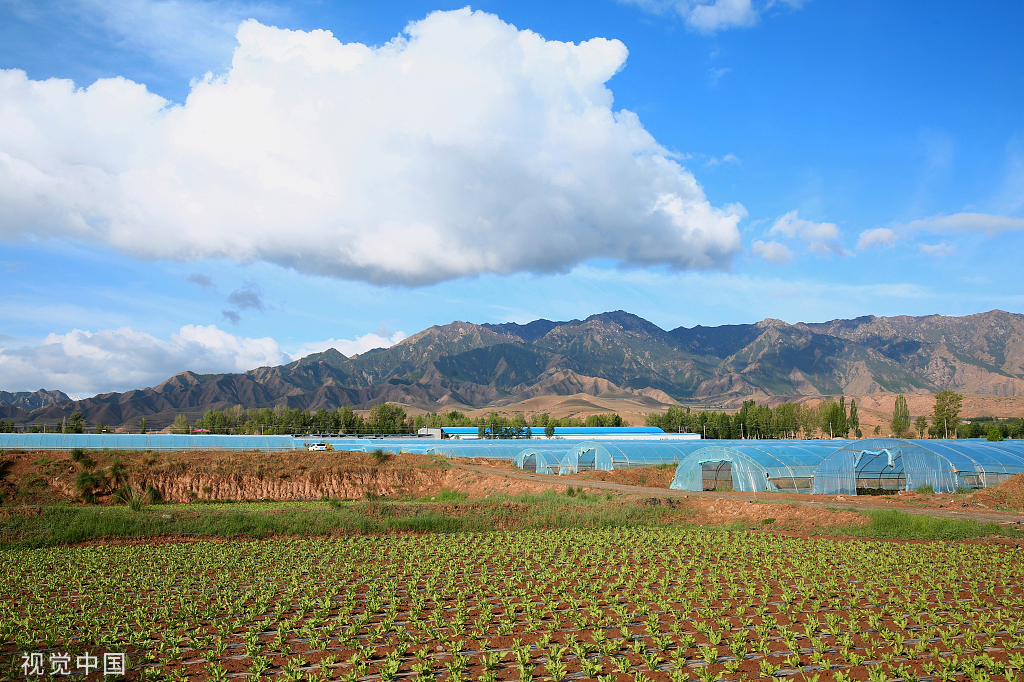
(894, 524)
(449, 496)
(71, 524)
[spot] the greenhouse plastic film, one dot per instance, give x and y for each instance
(757, 465)
(897, 464)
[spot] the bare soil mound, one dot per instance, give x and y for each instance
(1008, 495)
(791, 517)
(649, 477)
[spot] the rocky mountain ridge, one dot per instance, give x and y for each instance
(465, 366)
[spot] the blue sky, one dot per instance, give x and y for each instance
(221, 185)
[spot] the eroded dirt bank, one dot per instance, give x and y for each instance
(182, 477)
(39, 478)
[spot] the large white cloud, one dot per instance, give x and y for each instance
(464, 146)
(85, 363)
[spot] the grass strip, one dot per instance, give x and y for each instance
(67, 524)
(899, 525)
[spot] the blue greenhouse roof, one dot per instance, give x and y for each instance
(566, 430)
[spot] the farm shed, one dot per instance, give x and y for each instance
(753, 465)
(897, 464)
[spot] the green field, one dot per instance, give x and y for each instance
(627, 604)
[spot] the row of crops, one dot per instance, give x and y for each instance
(624, 605)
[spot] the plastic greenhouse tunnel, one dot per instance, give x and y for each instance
(753, 466)
(890, 464)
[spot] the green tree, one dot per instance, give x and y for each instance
(994, 434)
(77, 424)
(900, 417)
(833, 418)
(101, 427)
(321, 421)
(386, 418)
(181, 425)
(854, 419)
(142, 425)
(346, 420)
(946, 412)
(921, 424)
(549, 430)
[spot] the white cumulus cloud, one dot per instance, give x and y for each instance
(464, 146)
(347, 347)
(882, 236)
(821, 238)
(773, 251)
(86, 363)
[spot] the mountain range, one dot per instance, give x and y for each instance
(468, 366)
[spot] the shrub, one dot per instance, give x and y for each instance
(86, 484)
(924, 489)
(117, 472)
(79, 456)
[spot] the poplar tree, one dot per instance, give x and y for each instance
(900, 417)
(920, 424)
(946, 413)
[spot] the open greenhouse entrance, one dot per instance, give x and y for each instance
(880, 472)
(717, 475)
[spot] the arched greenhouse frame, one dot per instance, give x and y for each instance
(892, 464)
(753, 466)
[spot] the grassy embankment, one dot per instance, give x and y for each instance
(448, 512)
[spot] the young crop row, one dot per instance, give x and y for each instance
(633, 605)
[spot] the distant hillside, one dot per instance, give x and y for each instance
(465, 366)
(31, 401)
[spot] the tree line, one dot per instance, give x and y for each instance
(385, 418)
(829, 418)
